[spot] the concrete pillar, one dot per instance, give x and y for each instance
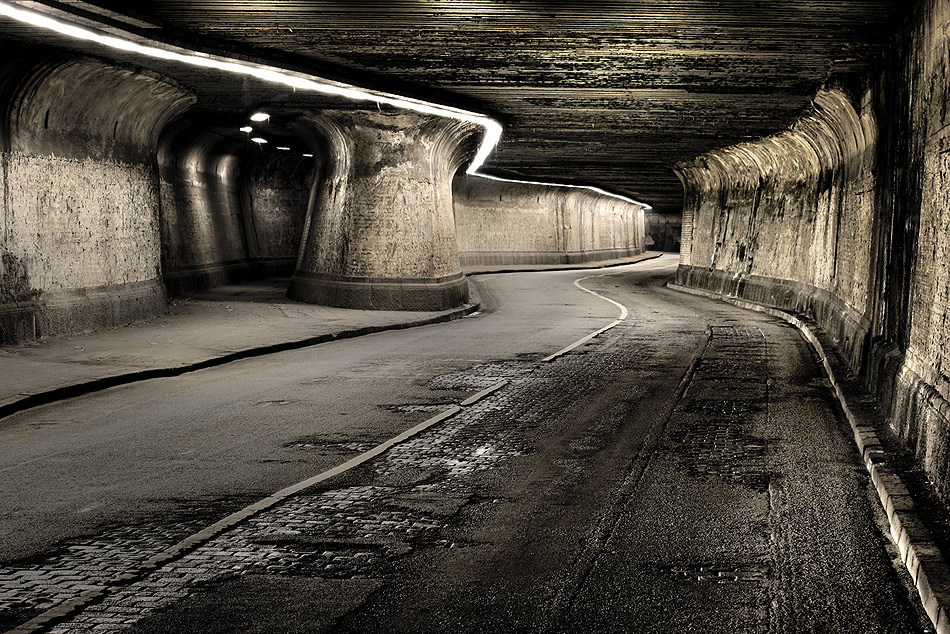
(380, 233)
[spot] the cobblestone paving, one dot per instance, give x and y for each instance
(414, 491)
(30, 587)
(714, 434)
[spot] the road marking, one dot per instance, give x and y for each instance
(583, 340)
(471, 400)
(76, 604)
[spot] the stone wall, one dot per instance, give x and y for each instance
(281, 185)
(231, 210)
(501, 223)
(380, 233)
(845, 217)
(79, 235)
(790, 220)
(915, 263)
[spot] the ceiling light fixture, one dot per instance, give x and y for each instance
(247, 129)
(260, 116)
(259, 140)
(298, 81)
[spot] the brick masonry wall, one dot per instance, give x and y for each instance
(514, 223)
(79, 239)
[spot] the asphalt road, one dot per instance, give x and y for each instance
(685, 471)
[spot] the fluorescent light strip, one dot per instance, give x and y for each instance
(596, 190)
(492, 128)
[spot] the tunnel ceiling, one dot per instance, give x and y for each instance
(606, 92)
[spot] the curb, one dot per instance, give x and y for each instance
(593, 266)
(77, 604)
(103, 383)
(918, 551)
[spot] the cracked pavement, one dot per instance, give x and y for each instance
(685, 471)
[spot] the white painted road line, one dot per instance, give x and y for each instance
(70, 606)
(583, 340)
(471, 400)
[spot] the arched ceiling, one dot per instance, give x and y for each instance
(604, 92)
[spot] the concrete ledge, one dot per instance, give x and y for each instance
(503, 258)
(370, 293)
(918, 551)
(82, 310)
(845, 325)
(13, 403)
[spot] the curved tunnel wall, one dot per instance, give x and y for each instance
(230, 210)
(844, 218)
(500, 223)
(80, 241)
(790, 220)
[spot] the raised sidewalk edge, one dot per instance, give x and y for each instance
(483, 269)
(96, 384)
(918, 551)
(80, 388)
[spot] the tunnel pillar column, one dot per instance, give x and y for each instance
(380, 232)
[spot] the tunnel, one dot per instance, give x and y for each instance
(482, 315)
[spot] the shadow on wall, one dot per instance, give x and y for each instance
(231, 210)
(662, 231)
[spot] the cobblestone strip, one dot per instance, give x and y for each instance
(58, 585)
(413, 491)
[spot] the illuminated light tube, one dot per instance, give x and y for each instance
(247, 129)
(596, 190)
(260, 116)
(298, 81)
(259, 140)
(308, 155)
(284, 148)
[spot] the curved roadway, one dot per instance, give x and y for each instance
(683, 471)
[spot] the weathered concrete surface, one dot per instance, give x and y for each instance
(661, 478)
(201, 329)
(79, 236)
(915, 263)
(611, 93)
(231, 210)
(789, 220)
(514, 223)
(844, 217)
(281, 184)
(380, 232)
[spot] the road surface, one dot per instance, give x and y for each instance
(683, 471)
